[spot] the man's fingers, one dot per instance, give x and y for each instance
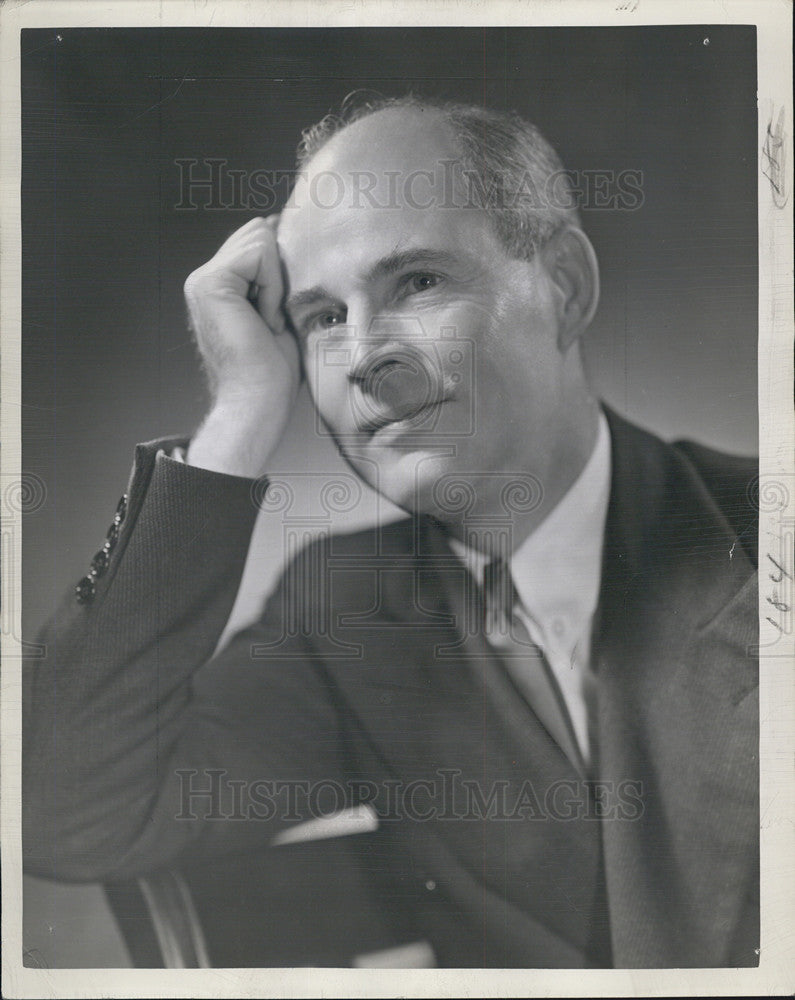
(252, 254)
(270, 283)
(242, 234)
(248, 264)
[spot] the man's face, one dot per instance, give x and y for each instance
(431, 355)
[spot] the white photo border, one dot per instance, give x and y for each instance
(776, 972)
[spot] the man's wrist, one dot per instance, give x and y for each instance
(232, 442)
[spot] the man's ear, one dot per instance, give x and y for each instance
(574, 270)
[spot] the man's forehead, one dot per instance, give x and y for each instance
(381, 160)
(393, 138)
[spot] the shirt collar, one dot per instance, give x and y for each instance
(557, 570)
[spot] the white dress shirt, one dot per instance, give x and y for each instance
(557, 573)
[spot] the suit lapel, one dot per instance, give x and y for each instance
(400, 681)
(677, 712)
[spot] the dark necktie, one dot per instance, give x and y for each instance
(524, 661)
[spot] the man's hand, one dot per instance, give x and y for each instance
(251, 358)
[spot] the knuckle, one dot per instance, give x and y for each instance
(193, 283)
(200, 282)
(254, 230)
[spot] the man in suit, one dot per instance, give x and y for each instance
(535, 693)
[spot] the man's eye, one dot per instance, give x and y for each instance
(325, 321)
(422, 282)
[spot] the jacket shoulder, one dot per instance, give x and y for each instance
(733, 483)
(690, 475)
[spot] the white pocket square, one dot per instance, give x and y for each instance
(357, 819)
(417, 955)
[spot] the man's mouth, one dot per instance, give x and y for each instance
(419, 418)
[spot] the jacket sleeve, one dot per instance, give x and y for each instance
(127, 721)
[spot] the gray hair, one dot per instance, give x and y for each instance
(509, 168)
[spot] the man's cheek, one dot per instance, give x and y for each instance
(327, 390)
(339, 415)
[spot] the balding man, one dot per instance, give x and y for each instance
(531, 702)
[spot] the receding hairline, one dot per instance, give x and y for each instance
(497, 151)
(408, 111)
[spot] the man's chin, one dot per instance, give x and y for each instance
(414, 480)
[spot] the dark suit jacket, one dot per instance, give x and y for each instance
(364, 669)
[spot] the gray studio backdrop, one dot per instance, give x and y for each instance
(111, 122)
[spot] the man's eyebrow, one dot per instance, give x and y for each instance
(399, 259)
(390, 264)
(307, 297)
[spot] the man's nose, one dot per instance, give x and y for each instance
(391, 370)
(377, 335)
(387, 350)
